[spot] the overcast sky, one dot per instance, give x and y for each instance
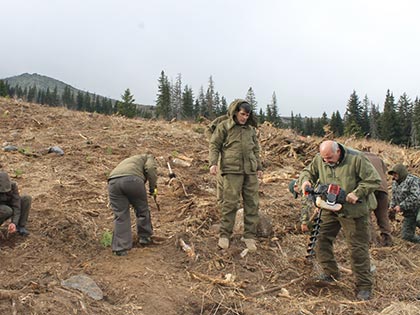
(311, 53)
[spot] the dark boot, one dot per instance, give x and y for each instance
(386, 240)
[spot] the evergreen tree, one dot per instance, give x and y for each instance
(187, 106)
(404, 121)
(336, 124)
(364, 119)
(415, 132)
(55, 98)
(127, 107)
(274, 111)
(292, 121)
(353, 117)
(80, 101)
(217, 104)
(163, 102)
(223, 106)
(209, 100)
(202, 101)
(299, 124)
(374, 117)
(250, 98)
(87, 102)
(3, 89)
(319, 125)
(309, 126)
(31, 94)
(388, 127)
(196, 108)
(261, 116)
(176, 98)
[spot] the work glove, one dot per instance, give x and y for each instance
(153, 192)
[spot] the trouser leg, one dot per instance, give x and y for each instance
(122, 236)
(381, 213)
(356, 231)
(408, 231)
(5, 213)
(251, 204)
(25, 206)
(328, 231)
(232, 186)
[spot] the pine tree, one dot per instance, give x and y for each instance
(364, 118)
(202, 101)
(336, 124)
(250, 98)
(404, 115)
(163, 102)
(353, 117)
(31, 94)
(374, 118)
(127, 107)
(176, 97)
(415, 132)
(388, 127)
(210, 99)
(299, 124)
(187, 106)
(3, 89)
(223, 106)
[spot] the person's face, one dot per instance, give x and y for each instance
(395, 176)
(242, 116)
(330, 157)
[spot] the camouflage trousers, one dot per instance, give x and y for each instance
(235, 186)
(356, 232)
(408, 230)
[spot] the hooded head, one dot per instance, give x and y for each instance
(5, 184)
(235, 107)
(399, 170)
(292, 188)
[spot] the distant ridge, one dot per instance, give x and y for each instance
(43, 83)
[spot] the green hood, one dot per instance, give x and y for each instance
(233, 108)
(5, 184)
(401, 170)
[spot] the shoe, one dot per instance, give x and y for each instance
(387, 240)
(327, 278)
(223, 243)
(145, 240)
(250, 244)
(120, 253)
(364, 295)
(22, 231)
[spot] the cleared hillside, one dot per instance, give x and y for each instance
(70, 216)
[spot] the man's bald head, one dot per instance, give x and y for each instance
(330, 152)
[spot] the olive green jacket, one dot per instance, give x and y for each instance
(237, 145)
(353, 173)
(143, 166)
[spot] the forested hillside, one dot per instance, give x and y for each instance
(70, 221)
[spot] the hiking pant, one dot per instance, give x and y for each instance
(6, 211)
(124, 191)
(356, 232)
(235, 185)
(408, 230)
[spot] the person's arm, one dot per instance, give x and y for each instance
(151, 172)
(215, 148)
(412, 190)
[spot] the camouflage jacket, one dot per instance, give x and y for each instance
(406, 194)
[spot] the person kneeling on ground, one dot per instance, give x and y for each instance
(13, 206)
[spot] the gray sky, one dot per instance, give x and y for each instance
(311, 53)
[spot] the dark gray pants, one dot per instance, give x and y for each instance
(123, 192)
(6, 212)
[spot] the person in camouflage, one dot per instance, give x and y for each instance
(406, 199)
(355, 174)
(13, 205)
(307, 207)
(235, 143)
(126, 185)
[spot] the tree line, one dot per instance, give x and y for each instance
(398, 122)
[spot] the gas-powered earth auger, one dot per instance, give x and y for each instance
(325, 197)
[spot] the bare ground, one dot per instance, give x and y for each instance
(70, 215)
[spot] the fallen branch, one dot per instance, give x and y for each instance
(8, 294)
(223, 282)
(276, 288)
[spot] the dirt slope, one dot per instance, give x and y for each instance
(70, 216)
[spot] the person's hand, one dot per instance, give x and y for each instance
(11, 228)
(304, 227)
(213, 170)
(153, 192)
(351, 198)
(397, 208)
(304, 185)
(392, 214)
(260, 174)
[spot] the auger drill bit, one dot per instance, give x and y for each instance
(314, 236)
